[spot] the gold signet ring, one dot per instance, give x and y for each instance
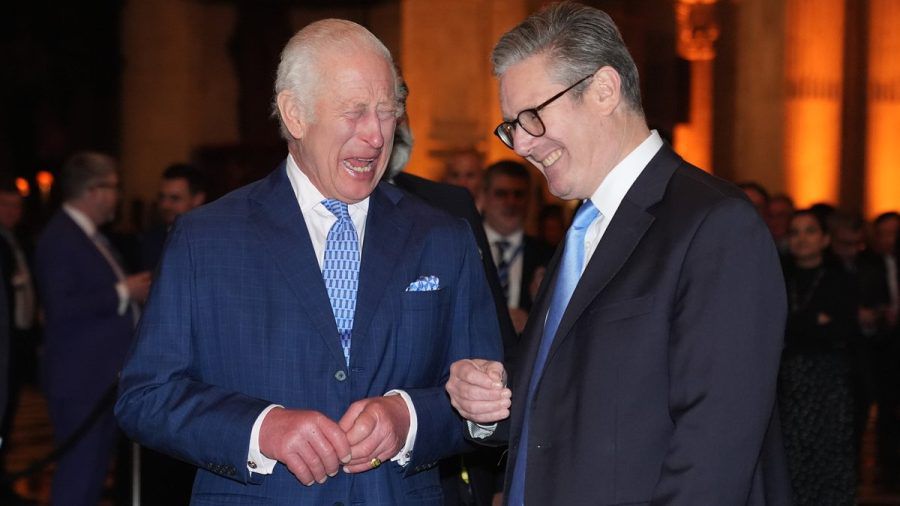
(375, 463)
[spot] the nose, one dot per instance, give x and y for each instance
(522, 142)
(371, 130)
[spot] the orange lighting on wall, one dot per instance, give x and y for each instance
(814, 71)
(812, 151)
(697, 33)
(882, 146)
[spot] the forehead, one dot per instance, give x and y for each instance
(505, 181)
(179, 185)
(360, 77)
(526, 84)
(804, 220)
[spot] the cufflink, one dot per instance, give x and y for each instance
(251, 464)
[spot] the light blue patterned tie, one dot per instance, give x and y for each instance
(570, 268)
(340, 270)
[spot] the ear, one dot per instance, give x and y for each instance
(606, 89)
(291, 114)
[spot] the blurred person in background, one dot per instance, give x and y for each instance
(20, 309)
(182, 188)
(506, 188)
(91, 308)
(778, 217)
(464, 168)
(815, 393)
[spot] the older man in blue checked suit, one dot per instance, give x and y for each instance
(298, 336)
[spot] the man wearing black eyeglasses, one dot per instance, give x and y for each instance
(646, 373)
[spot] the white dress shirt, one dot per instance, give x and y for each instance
(319, 221)
(90, 229)
(23, 286)
(607, 197)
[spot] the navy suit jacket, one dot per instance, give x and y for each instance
(85, 337)
(239, 318)
(659, 387)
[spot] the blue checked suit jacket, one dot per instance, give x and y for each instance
(238, 318)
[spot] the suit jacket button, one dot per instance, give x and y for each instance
(340, 375)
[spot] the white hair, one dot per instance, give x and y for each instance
(298, 71)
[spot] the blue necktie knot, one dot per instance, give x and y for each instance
(585, 215)
(337, 208)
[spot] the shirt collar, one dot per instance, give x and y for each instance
(493, 236)
(310, 198)
(616, 184)
(80, 219)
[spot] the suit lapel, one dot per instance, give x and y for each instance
(386, 231)
(279, 222)
(631, 221)
(628, 226)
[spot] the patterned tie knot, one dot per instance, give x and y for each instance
(502, 247)
(585, 215)
(337, 208)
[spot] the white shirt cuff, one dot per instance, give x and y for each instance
(124, 297)
(479, 431)
(402, 458)
(256, 461)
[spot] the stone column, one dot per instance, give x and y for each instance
(697, 33)
(445, 56)
(179, 90)
(814, 73)
(883, 108)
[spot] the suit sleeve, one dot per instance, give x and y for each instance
(162, 403)
(726, 338)
(474, 334)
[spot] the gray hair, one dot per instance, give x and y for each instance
(403, 137)
(299, 72)
(82, 171)
(578, 40)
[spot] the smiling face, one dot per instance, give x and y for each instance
(807, 240)
(582, 139)
(175, 198)
(344, 145)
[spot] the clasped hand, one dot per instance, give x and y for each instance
(477, 389)
(314, 447)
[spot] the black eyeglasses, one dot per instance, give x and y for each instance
(529, 119)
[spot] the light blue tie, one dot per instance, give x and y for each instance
(340, 270)
(570, 268)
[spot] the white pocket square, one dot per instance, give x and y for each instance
(424, 284)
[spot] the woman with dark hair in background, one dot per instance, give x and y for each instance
(814, 383)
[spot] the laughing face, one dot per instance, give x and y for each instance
(344, 146)
(577, 149)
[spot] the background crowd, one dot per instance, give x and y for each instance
(842, 340)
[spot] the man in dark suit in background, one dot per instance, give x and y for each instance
(505, 192)
(90, 306)
(301, 328)
(647, 371)
(182, 188)
(20, 322)
(472, 478)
